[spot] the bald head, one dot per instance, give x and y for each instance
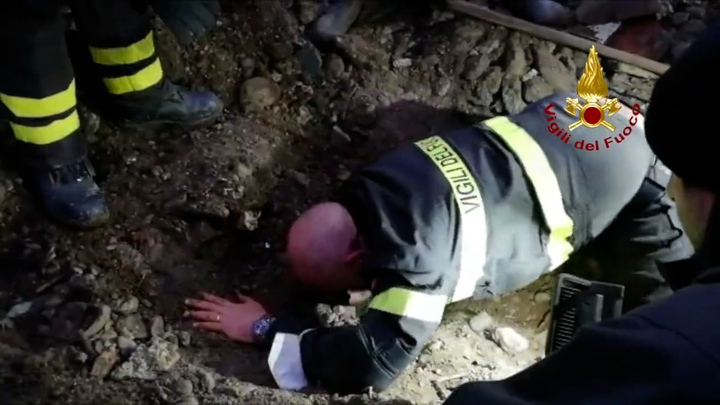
(319, 244)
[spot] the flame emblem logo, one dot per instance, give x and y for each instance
(592, 88)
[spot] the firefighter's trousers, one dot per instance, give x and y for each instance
(37, 83)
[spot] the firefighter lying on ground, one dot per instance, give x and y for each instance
(477, 212)
(38, 94)
(666, 352)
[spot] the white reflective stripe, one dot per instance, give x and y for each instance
(285, 362)
(547, 188)
(410, 304)
(473, 228)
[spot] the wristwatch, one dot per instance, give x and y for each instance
(261, 328)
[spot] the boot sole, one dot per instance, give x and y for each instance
(169, 124)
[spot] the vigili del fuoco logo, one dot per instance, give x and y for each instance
(593, 91)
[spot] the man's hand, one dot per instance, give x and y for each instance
(187, 19)
(234, 319)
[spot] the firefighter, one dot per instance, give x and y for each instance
(477, 212)
(38, 94)
(666, 352)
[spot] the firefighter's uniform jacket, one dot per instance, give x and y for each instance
(37, 82)
(476, 213)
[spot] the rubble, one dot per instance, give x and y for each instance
(207, 210)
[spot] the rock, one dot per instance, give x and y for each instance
(126, 345)
(19, 309)
(184, 338)
(698, 11)
(553, 70)
(82, 286)
(536, 89)
(481, 322)
(679, 49)
(103, 318)
(310, 59)
(334, 66)
(542, 297)
(442, 86)
(206, 381)
(309, 11)
(680, 18)
(280, 50)
(693, 27)
(259, 93)
(512, 95)
(249, 220)
(184, 387)
(132, 260)
(80, 357)
(157, 326)
(170, 337)
(191, 400)
(148, 361)
(516, 64)
(633, 70)
(128, 306)
(104, 363)
(134, 325)
(509, 340)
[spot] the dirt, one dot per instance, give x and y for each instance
(96, 316)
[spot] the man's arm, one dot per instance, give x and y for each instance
(663, 353)
(350, 359)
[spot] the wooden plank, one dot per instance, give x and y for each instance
(554, 35)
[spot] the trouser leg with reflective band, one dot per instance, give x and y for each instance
(37, 89)
(121, 43)
(37, 86)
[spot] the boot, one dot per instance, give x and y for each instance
(69, 194)
(166, 105)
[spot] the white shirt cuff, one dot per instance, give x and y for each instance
(285, 362)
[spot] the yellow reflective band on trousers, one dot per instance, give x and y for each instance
(473, 228)
(126, 55)
(547, 188)
(410, 304)
(54, 104)
(141, 80)
(43, 135)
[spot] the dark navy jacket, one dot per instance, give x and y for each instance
(663, 353)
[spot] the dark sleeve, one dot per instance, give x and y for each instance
(350, 359)
(643, 237)
(658, 355)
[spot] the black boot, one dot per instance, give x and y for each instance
(166, 105)
(69, 195)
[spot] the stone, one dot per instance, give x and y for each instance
(259, 93)
(157, 326)
(510, 340)
(512, 95)
(102, 319)
(334, 66)
(19, 309)
(104, 363)
(184, 338)
(680, 18)
(536, 89)
(134, 325)
(481, 322)
(148, 361)
(128, 306)
(126, 345)
(184, 387)
(516, 63)
(555, 73)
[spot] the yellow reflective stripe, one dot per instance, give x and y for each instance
(126, 55)
(141, 80)
(26, 107)
(410, 304)
(44, 135)
(547, 188)
(473, 229)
